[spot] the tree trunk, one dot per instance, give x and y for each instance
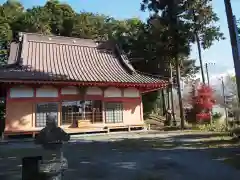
(168, 98)
(168, 114)
(160, 102)
(179, 93)
(200, 57)
(163, 103)
(173, 109)
(171, 92)
(176, 43)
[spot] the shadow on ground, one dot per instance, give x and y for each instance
(175, 157)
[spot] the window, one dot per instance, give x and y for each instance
(46, 92)
(93, 111)
(114, 112)
(72, 111)
(21, 92)
(42, 110)
(97, 111)
(69, 91)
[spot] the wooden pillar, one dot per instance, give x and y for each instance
(103, 105)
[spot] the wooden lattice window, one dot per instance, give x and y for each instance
(114, 112)
(73, 111)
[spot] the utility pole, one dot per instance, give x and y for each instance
(208, 81)
(206, 66)
(224, 101)
(234, 43)
(207, 72)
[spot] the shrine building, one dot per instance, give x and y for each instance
(90, 86)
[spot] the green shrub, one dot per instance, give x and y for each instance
(214, 127)
(217, 115)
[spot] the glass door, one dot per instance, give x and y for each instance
(114, 112)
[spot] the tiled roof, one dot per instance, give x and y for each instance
(56, 58)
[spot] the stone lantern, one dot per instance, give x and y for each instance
(51, 138)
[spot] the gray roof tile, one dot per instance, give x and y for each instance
(55, 58)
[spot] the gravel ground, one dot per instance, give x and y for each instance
(134, 156)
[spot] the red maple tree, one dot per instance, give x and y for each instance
(203, 102)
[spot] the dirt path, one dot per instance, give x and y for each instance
(133, 157)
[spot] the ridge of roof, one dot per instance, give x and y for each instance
(53, 35)
(59, 39)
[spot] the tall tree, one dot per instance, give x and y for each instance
(178, 37)
(194, 21)
(9, 12)
(149, 52)
(197, 15)
(60, 16)
(203, 20)
(35, 20)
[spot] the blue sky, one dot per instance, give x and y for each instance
(220, 52)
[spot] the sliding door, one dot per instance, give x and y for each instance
(114, 112)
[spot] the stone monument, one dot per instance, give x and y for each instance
(51, 138)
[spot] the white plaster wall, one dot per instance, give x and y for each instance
(94, 91)
(18, 92)
(46, 92)
(69, 90)
(131, 92)
(112, 92)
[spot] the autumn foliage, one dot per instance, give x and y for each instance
(203, 102)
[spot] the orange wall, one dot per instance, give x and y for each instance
(132, 113)
(19, 115)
